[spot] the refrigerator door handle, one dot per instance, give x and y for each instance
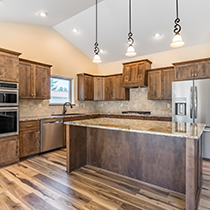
(191, 101)
(196, 101)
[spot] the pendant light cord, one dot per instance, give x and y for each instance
(177, 27)
(96, 20)
(130, 34)
(96, 48)
(130, 16)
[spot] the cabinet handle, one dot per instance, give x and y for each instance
(29, 126)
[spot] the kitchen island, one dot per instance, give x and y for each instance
(165, 154)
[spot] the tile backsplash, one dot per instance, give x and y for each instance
(138, 102)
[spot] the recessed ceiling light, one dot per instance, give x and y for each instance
(157, 35)
(102, 51)
(43, 14)
(76, 31)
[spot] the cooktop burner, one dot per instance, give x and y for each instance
(136, 112)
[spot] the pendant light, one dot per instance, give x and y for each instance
(130, 50)
(177, 40)
(96, 58)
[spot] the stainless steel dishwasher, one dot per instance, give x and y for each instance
(51, 134)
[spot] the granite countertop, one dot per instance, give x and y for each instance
(186, 130)
(22, 119)
(72, 115)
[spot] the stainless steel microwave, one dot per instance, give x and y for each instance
(9, 95)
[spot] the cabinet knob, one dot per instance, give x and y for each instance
(192, 75)
(32, 94)
(195, 74)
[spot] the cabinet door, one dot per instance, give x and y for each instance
(29, 143)
(42, 82)
(126, 74)
(26, 84)
(9, 70)
(9, 147)
(98, 88)
(202, 70)
(120, 91)
(154, 85)
(184, 71)
(167, 77)
(140, 74)
(89, 88)
(109, 88)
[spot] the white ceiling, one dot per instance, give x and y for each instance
(148, 17)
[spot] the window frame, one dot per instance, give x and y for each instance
(71, 82)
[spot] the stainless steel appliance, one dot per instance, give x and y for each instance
(9, 117)
(9, 94)
(51, 134)
(191, 103)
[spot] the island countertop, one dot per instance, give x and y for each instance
(177, 129)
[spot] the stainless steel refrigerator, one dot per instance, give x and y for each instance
(191, 103)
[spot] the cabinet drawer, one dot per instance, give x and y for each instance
(29, 125)
(9, 147)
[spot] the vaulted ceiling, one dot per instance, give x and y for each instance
(148, 18)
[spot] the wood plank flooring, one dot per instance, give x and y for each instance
(41, 183)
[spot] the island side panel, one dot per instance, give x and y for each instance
(76, 147)
(193, 172)
(156, 159)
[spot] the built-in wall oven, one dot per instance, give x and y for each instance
(9, 115)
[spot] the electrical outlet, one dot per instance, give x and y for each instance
(40, 106)
(121, 105)
(101, 105)
(169, 105)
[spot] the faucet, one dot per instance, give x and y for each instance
(64, 107)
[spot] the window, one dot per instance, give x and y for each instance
(61, 90)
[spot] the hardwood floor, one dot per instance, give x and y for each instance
(42, 183)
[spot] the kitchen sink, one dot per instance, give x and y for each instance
(70, 114)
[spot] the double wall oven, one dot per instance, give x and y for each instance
(9, 116)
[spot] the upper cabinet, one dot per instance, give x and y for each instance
(101, 88)
(160, 83)
(134, 73)
(85, 87)
(195, 69)
(9, 62)
(34, 80)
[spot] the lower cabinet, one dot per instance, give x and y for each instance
(9, 149)
(29, 138)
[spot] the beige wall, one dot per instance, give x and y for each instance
(44, 44)
(161, 59)
(138, 100)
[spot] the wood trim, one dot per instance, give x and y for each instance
(161, 68)
(138, 61)
(10, 52)
(67, 148)
(191, 61)
(109, 75)
(34, 62)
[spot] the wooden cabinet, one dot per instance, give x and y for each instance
(85, 87)
(160, 83)
(114, 89)
(9, 65)
(34, 80)
(29, 138)
(9, 147)
(101, 88)
(134, 73)
(195, 69)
